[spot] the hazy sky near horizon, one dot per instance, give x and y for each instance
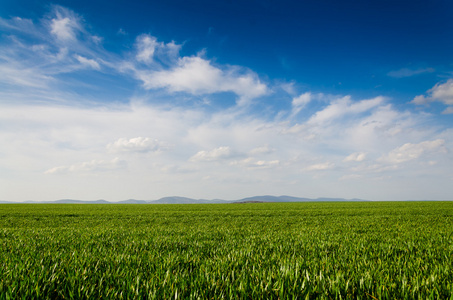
(226, 99)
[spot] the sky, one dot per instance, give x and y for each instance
(225, 99)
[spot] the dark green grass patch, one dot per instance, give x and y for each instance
(250, 251)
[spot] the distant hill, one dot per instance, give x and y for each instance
(71, 201)
(268, 198)
(185, 200)
(133, 201)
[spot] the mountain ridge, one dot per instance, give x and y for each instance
(186, 200)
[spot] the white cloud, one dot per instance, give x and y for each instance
(357, 156)
(62, 29)
(138, 144)
(442, 92)
(299, 102)
(265, 164)
(411, 151)
(420, 100)
(302, 100)
(344, 106)
(88, 62)
(89, 166)
(146, 46)
(198, 76)
(320, 167)
(261, 150)
(252, 163)
(65, 25)
(216, 154)
(383, 123)
(344, 121)
(170, 50)
(97, 39)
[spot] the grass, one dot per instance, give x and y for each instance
(360, 250)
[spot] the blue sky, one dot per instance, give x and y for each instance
(226, 99)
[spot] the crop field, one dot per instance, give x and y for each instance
(347, 250)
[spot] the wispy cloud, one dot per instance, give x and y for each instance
(89, 167)
(197, 76)
(64, 28)
(411, 151)
(261, 150)
(146, 45)
(357, 156)
(441, 92)
(448, 110)
(320, 166)
(252, 163)
(406, 72)
(138, 144)
(344, 106)
(21, 76)
(149, 49)
(37, 57)
(88, 62)
(299, 102)
(20, 25)
(219, 153)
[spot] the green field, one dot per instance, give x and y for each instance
(363, 250)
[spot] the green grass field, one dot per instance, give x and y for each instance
(356, 250)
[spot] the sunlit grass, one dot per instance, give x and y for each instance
(251, 251)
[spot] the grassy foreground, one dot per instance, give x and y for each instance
(244, 251)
